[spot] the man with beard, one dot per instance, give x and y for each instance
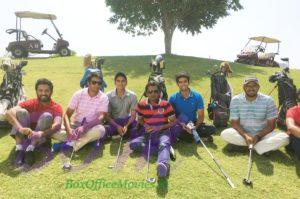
(253, 117)
(34, 121)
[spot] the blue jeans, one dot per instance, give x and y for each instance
(295, 144)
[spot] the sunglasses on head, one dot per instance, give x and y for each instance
(95, 82)
(153, 91)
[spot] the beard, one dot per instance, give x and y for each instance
(252, 94)
(44, 98)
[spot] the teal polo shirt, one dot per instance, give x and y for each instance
(187, 107)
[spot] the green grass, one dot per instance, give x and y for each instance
(193, 174)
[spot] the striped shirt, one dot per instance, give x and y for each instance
(253, 116)
(155, 115)
(86, 106)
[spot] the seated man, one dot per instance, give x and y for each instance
(88, 106)
(293, 126)
(121, 109)
(188, 105)
(34, 121)
(253, 117)
(156, 116)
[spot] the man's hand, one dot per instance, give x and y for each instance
(72, 135)
(188, 130)
(120, 130)
(250, 139)
(25, 131)
(36, 134)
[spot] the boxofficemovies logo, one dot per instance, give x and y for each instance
(97, 184)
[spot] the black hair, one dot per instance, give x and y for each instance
(44, 81)
(120, 74)
(94, 74)
(151, 83)
(182, 74)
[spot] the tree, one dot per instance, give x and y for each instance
(143, 17)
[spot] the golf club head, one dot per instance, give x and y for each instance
(67, 167)
(247, 182)
(111, 166)
(151, 180)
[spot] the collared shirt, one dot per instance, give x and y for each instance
(86, 106)
(253, 115)
(187, 106)
(36, 109)
(121, 107)
(294, 113)
(155, 115)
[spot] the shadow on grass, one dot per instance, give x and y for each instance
(162, 187)
(263, 164)
(43, 156)
(85, 155)
(295, 160)
(4, 132)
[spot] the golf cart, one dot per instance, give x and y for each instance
(26, 43)
(254, 52)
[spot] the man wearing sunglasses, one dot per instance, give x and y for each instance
(121, 109)
(156, 117)
(253, 117)
(88, 105)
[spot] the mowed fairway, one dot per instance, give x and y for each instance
(193, 174)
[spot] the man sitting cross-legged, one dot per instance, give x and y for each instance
(253, 117)
(34, 122)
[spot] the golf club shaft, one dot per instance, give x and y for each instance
(148, 159)
(249, 164)
(119, 151)
(219, 166)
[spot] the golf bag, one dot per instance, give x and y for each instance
(156, 75)
(11, 88)
(218, 107)
(287, 97)
(97, 69)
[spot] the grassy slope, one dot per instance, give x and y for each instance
(193, 174)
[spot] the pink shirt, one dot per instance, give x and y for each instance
(86, 106)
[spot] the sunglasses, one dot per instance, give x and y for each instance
(95, 82)
(153, 91)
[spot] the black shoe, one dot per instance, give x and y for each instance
(172, 154)
(29, 158)
(208, 139)
(19, 157)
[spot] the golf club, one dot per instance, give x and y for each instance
(113, 166)
(247, 180)
(217, 163)
(150, 180)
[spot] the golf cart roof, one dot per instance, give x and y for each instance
(35, 15)
(265, 39)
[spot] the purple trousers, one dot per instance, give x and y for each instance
(131, 131)
(160, 143)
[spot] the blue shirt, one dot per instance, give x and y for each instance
(186, 108)
(253, 116)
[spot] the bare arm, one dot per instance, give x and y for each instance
(292, 127)
(268, 129)
(247, 136)
(67, 118)
(200, 118)
(12, 118)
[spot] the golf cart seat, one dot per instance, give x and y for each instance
(265, 56)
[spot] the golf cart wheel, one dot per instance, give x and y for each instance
(19, 52)
(64, 52)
